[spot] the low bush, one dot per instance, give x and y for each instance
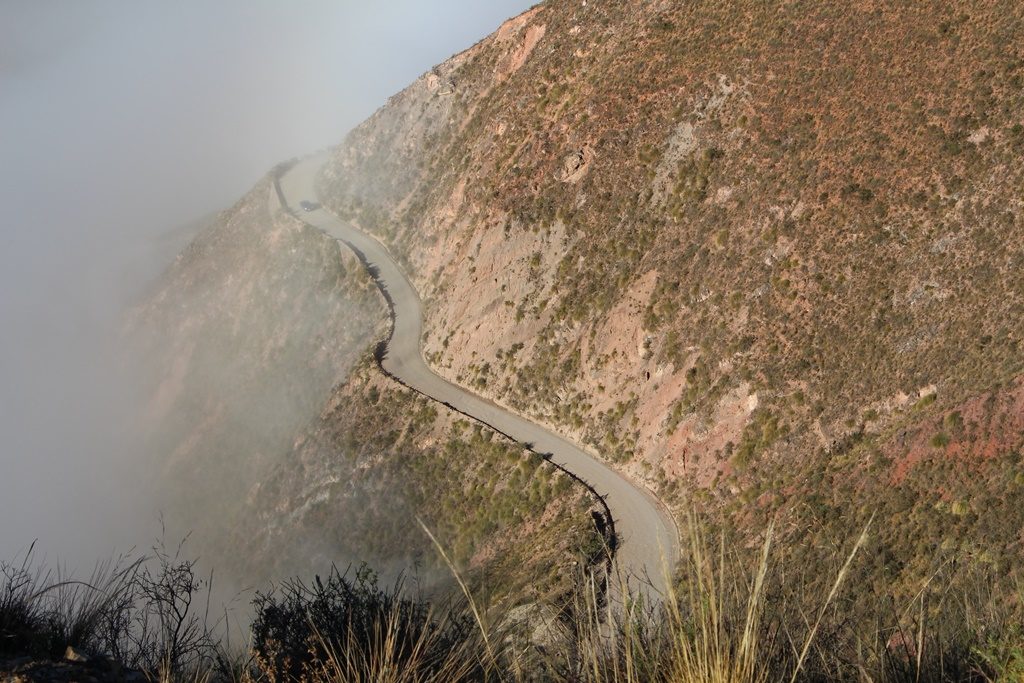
(349, 628)
(149, 613)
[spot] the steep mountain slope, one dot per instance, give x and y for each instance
(245, 337)
(277, 442)
(380, 459)
(762, 257)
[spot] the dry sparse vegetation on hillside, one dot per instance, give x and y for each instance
(754, 254)
(737, 616)
(764, 258)
(379, 458)
(279, 444)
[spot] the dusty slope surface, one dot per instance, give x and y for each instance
(648, 541)
(753, 254)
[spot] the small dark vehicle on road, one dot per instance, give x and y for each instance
(308, 205)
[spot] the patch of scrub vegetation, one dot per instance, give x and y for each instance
(772, 617)
(380, 458)
(760, 433)
(846, 231)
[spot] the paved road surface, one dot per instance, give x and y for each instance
(648, 537)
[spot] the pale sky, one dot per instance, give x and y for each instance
(119, 121)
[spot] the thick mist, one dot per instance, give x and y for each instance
(122, 124)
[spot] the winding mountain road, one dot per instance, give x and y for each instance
(648, 540)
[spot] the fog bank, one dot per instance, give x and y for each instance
(120, 123)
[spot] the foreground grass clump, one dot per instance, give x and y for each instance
(353, 630)
(710, 628)
(42, 613)
(734, 615)
(148, 614)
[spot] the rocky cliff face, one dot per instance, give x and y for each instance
(767, 257)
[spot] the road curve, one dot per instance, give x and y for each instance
(648, 540)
